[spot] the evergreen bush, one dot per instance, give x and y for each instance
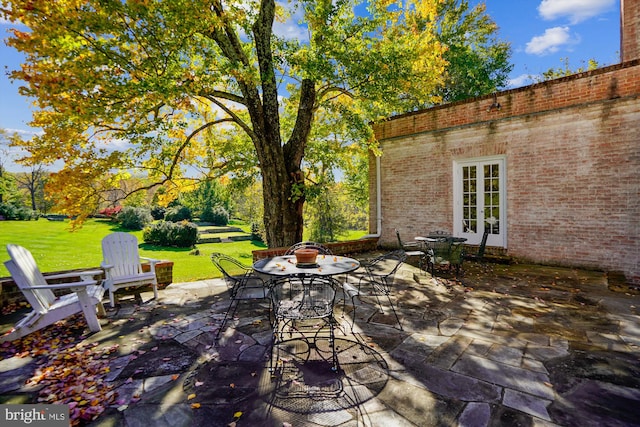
(165, 233)
(157, 212)
(133, 218)
(177, 213)
(217, 215)
(15, 212)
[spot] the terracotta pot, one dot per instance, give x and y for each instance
(306, 256)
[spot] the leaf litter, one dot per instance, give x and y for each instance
(70, 371)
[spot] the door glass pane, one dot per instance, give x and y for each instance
(492, 197)
(469, 200)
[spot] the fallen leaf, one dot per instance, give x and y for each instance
(195, 405)
(191, 396)
(175, 377)
(199, 383)
(237, 415)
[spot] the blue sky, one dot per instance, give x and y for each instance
(541, 33)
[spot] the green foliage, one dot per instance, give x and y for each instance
(157, 212)
(325, 221)
(478, 61)
(217, 215)
(132, 218)
(566, 70)
(177, 213)
(257, 232)
(12, 211)
(248, 204)
(164, 233)
(208, 195)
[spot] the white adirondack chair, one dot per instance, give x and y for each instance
(122, 265)
(47, 308)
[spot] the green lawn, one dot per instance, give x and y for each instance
(55, 248)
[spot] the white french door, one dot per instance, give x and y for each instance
(479, 194)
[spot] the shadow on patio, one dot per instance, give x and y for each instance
(506, 345)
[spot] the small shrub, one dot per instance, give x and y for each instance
(157, 212)
(184, 234)
(134, 218)
(165, 233)
(111, 212)
(257, 232)
(15, 212)
(217, 215)
(177, 214)
(158, 233)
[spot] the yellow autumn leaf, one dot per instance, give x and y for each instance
(191, 396)
(195, 405)
(237, 415)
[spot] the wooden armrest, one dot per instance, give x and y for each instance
(82, 284)
(150, 260)
(73, 274)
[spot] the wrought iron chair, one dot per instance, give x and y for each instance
(379, 275)
(322, 250)
(298, 306)
(413, 249)
(242, 282)
(479, 256)
(444, 251)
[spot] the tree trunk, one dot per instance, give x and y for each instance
(282, 181)
(282, 216)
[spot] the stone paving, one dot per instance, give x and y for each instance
(505, 346)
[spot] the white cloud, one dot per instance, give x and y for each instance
(551, 41)
(22, 132)
(520, 81)
(576, 10)
(291, 28)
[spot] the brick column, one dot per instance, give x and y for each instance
(629, 31)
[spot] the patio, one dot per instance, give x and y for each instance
(508, 345)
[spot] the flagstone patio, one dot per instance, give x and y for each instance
(507, 345)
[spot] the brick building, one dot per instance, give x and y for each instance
(554, 166)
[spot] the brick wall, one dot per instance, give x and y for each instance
(572, 150)
(629, 31)
(337, 248)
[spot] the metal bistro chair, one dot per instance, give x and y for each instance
(444, 251)
(379, 274)
(242, 282)
(412, 249)
(322, 250)
(298, 304)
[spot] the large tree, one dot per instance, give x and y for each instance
(478, 62)
(148, 84)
